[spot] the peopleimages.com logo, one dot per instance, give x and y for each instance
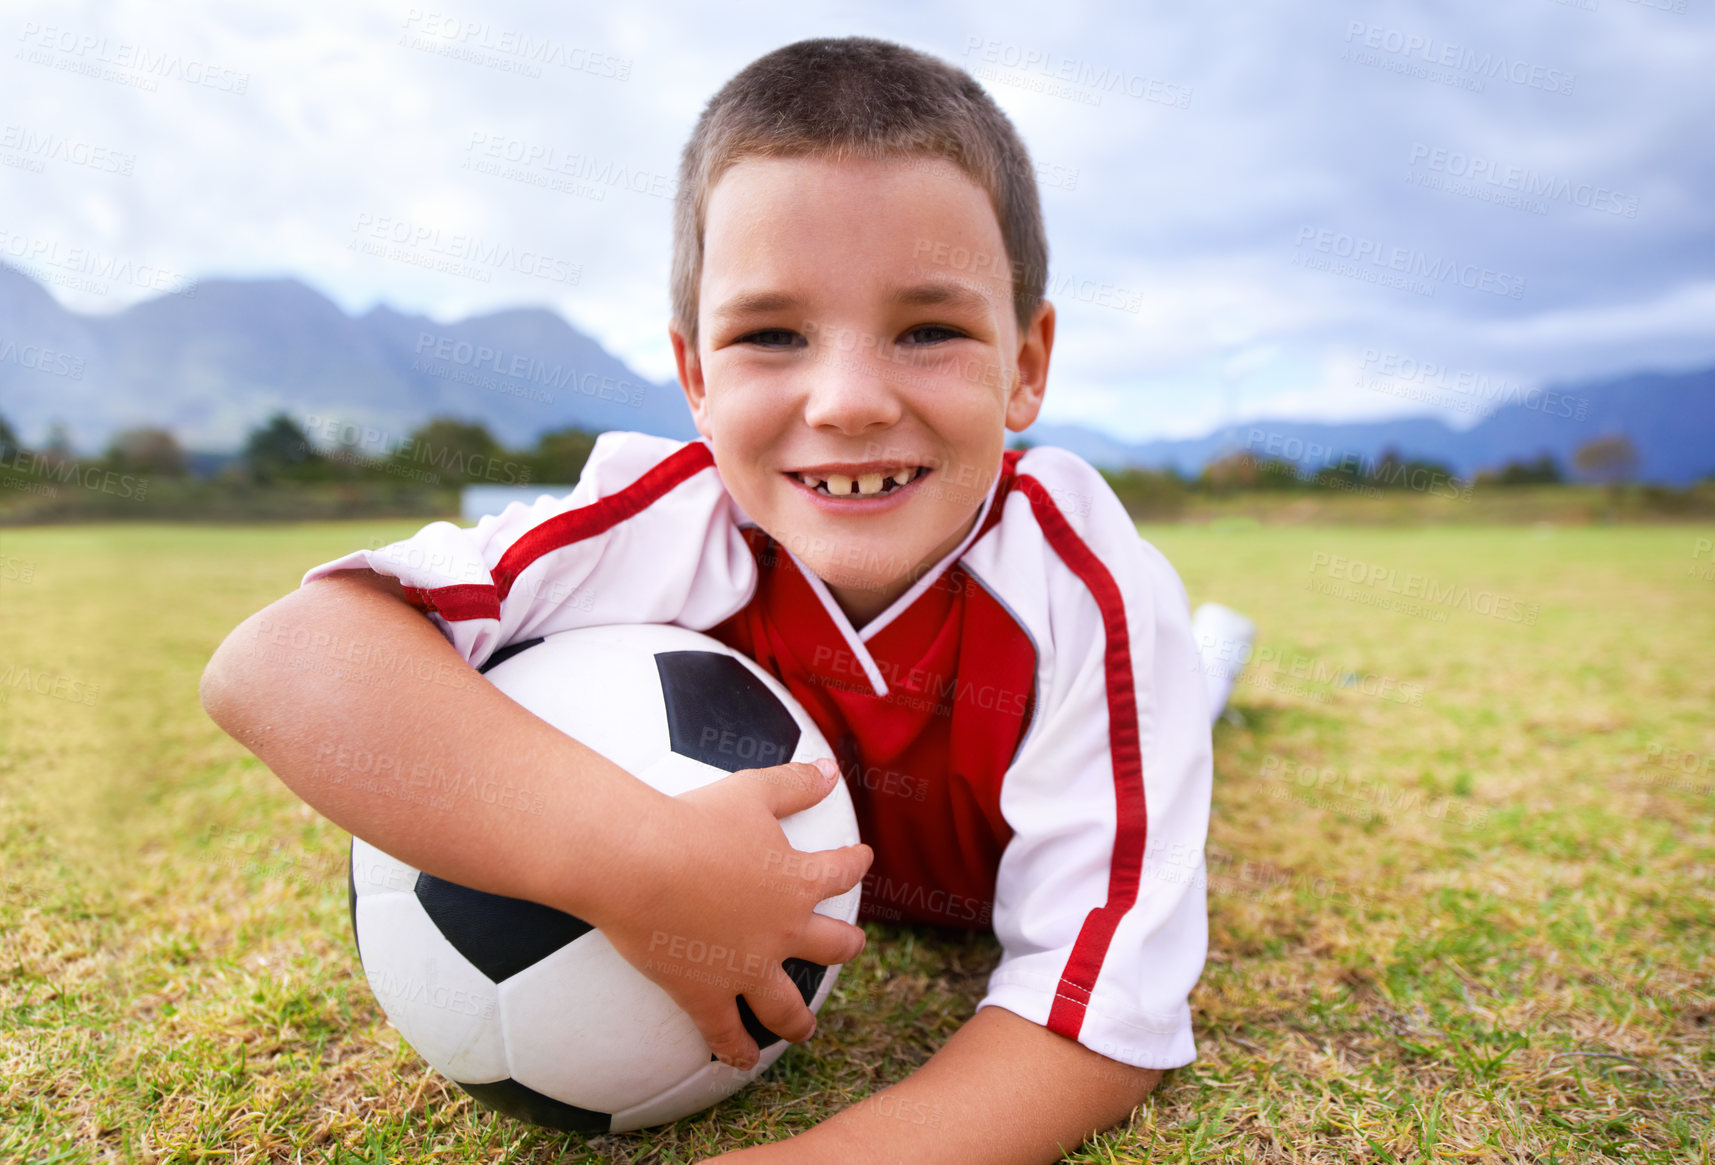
(1479, 172)
(1419, 53)
(1416, 593)
(1408, 262)
(1461, 388)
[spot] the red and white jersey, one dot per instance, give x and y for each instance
(1024, 732)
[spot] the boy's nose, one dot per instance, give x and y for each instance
(848, 392)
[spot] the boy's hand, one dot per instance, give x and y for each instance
(727, 899)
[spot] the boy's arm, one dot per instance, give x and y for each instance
(349, 695)
(1001, 1091)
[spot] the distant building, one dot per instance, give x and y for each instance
(479, 501)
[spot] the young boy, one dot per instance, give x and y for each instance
(1006, 671)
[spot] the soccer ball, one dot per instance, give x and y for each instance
(531, 1010)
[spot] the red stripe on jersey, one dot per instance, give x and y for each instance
(457, 603)
(1125, 869)
(601, 516)
(482, 600)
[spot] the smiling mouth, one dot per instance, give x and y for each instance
(864, 485)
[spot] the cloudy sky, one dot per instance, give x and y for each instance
(1250, 210)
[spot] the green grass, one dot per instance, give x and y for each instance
(1475, 923)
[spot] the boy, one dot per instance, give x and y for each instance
(1006, 670)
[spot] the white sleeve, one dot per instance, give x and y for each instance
(649, 535)
(1100, 895)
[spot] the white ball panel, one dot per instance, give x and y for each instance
(583, 1026)
(444, 1007)
(595, 689)
(375, 873)
(676, 773)
(711, 1083)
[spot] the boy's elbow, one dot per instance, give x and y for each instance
(1145, 1085)
(221, 688)
(236, 670)
(239, 670)
(209, 688)
(1123, 1088)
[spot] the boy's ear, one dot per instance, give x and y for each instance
(1034, 349)
(690, 378)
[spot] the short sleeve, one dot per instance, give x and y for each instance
(649, 535)
(1100, 902)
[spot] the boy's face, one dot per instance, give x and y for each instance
(858, 361)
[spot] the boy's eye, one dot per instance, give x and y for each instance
(923, 334)
(771, 338)
(932, 333)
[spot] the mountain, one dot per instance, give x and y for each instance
(212, 365)
(1669, 418)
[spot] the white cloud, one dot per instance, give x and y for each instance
(1679, 313)
(1194, 208)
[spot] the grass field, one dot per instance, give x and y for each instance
(1461, 874)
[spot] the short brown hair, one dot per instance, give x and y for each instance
(858, 97)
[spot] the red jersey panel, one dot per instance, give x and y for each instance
(924, 763)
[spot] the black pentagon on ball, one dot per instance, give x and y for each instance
(500, 936)
(505, 653)
(351, 902)
(515, 1100)
(719, 713)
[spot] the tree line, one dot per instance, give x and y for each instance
(326, 467)
(442, 452)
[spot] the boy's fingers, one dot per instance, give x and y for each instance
(724, 1033)
(823, 874)
(829, 941)
(791, 788)
(840, 869)
(781, 1009)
